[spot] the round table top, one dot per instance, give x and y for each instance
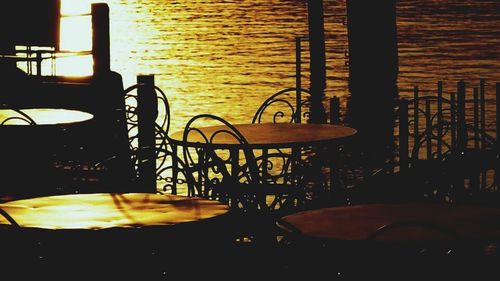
(358, 222)
(272, 134)
(109, 210)
(46, 116)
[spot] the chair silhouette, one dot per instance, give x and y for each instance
(447, 145)
(233, 174)
(289, 105)
(121, 171)
(443, 151)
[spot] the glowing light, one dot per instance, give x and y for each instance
(73, 7)
(76, 33)
(75, 36)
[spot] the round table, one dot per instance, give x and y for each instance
(111, 235)
(110, 210)
(428, 241)
(360, 222)
(32, 147)
(45, 116)
(272, 135)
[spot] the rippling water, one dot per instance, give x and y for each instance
(226, 57)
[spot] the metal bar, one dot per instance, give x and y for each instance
(416, 139)
(298, 78)
(461, 121)
(440, 124)
(428, 129)
(403, 134)
(476, 116)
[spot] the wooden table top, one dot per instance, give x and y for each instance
(273, 134)
(46, 116)
(110, 210)
(358, 222)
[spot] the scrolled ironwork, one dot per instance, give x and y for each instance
(163, 152)
(284, 106)
(18, 117)
(234, 174)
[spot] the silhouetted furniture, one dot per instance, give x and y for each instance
(149, 236)
(388, 240)
(230, 163)
(32, 140)
(140, 101)
(290, 105)
(445, 144)
(443, 150)
(100, 94)
(249, 138)
(148, 155)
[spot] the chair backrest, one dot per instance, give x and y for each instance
(290, 105)
(213, 169)
(135, 112)
(427, 127)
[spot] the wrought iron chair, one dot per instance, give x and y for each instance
(290, 105)
(233, 174)
(443, 152)
(121, 172)
(163, 153)
(219, 173)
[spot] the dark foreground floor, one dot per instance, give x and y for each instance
(200, 255)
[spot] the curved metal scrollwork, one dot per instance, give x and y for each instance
(17, 117)
(163, 151)
(209, 167)
(286, 106)
(233, 173)
(436, 134)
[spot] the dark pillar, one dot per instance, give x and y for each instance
(317, 61)
(373, 69)
(100, 38)
(147, 109)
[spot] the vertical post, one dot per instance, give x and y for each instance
(100, 38)
(482, 113)
(147, 109)
(317, 60)
(334, 110)
(403, 134)
(453, 121)
(461, 122)
(373, 70)
(298, 80)
(440, 120)
(428, 129)
(416, 122)
(477, 127)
